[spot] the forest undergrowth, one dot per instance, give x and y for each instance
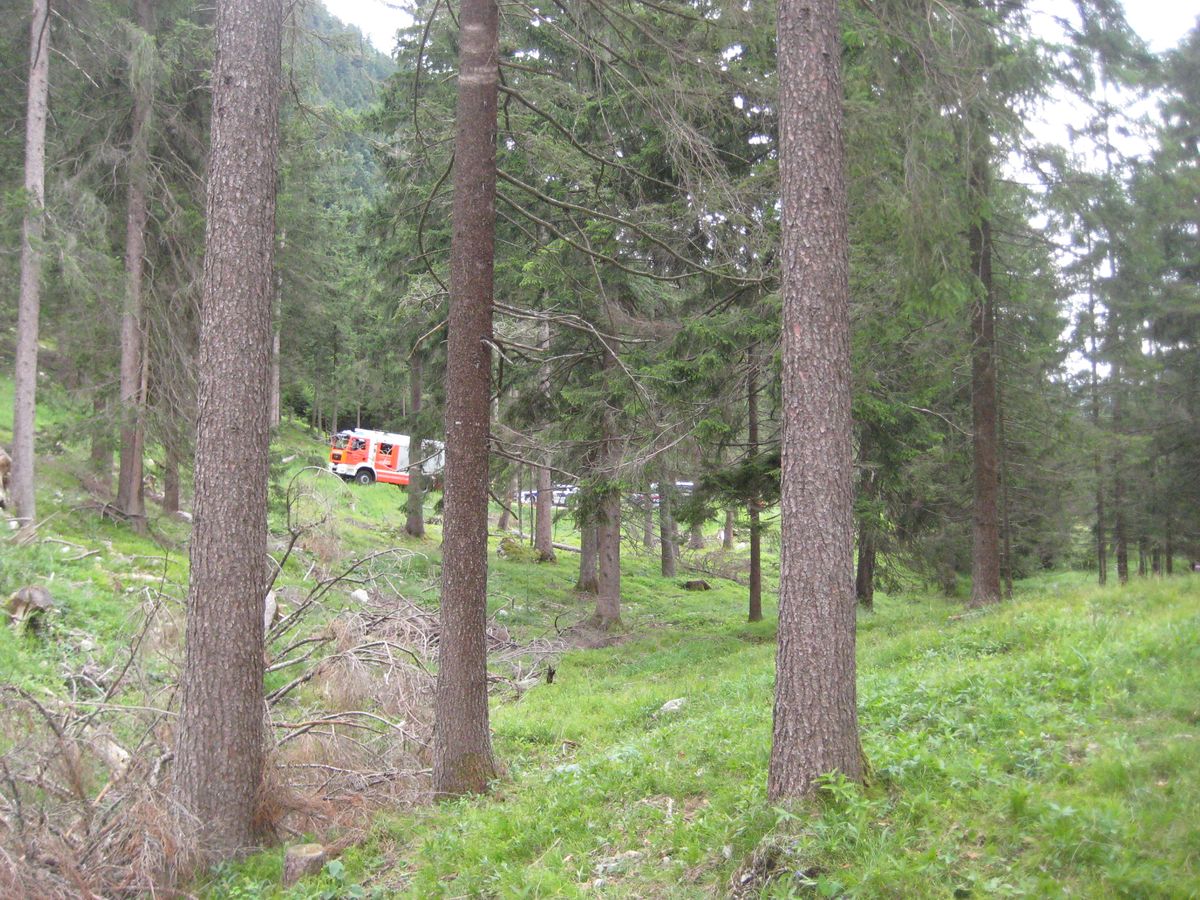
(1045, 748)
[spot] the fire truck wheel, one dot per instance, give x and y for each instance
(365, 476)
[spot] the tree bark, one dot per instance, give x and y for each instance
(102, 445)
(815, 718)
(864, 576)
(985, 552)
(462, 748)
(755, 611)
(543, 535)
(589, 558)
(669, 548)
(727, 533)
(414, 522)
(21, 494)
(512, 495)
(608, 528)
(130, 484)
(1097, 457)
(1120, 535)
(170, 502)
(220, 739)
(647, 518)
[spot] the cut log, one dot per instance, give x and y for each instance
(301, 861)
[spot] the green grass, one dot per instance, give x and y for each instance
(1047, 748)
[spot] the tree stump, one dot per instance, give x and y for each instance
(301, 861)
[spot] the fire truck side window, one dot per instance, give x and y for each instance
(357, 444)
(385, 449)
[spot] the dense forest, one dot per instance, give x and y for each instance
(789, 297)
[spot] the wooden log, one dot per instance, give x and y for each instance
(301, 861)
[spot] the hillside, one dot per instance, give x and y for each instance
(1046, 748)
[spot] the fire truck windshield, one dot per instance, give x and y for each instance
(340, 441)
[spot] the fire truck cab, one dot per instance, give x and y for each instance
(367, 456)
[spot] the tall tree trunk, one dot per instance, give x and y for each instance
(669, 556)
(1120, 535)
(1169, 545)
(608, 598)
(864, 575)
(695, 537)
(589, 559)
(755, 613)
(102, 445)
(727, 532)
(816, 719)
(170, 504)
(219, 747)
(1097, 457)
(1005, 520)
(543, 536)
(414, 522)
(511, 496)
(130, 487)
(21, 495)
(647, 518)
(985, 552)
(462, 746)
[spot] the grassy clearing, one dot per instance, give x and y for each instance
(1047, 748)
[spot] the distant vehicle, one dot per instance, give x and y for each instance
(365, 456)
(683, 488)
(562, 494)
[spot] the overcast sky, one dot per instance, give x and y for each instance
(1161, 22)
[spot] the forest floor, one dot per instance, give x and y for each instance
(1048, 747)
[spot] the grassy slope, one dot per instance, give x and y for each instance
(1045, 748)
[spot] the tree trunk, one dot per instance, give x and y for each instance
(1120, 536)
(864, 576)
(462, 747)
(755, 612)
(512, 495)
(647, 519)
(414, 522)
(102, 446)
(170, 504)
(130, 487)
(816, 721)
(21, 494)
(695, 537)
(1005, 519)
(220, 740)
(985, 552)
(608, 538)
(666, 526)
(589, 558)
(543, 535)
(1097, 457)
(727, 533)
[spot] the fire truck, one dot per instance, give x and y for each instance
(365, 456)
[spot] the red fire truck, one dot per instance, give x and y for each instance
(366, 456)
